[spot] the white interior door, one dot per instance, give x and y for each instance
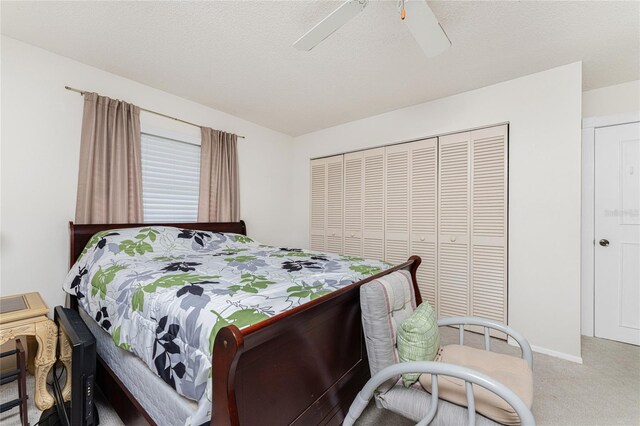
(617, 233)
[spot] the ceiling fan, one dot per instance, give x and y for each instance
(420, 20)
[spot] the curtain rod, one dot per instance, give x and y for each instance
(82, 92)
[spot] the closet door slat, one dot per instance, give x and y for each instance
(396, 231)
(489, 223)
(423, 214)
(318, 204)
(453, 225)
(373, 217)
(353, 201)
(335, 203)
(453, 274)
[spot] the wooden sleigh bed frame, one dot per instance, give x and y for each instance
(301, 367)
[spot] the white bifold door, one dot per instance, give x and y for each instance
(423, 219)
(453, 225)
(396, 218)
(364, 204)
(472, 224)
(443, 199)
(488, 230)
(373, 204)
(410, 208)
(318, 208)
(348, 204)
(353, 203)
(327, 180)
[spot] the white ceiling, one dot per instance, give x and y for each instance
(237, 57)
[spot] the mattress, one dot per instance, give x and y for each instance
(163, 404)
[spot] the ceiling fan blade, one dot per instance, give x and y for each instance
(425, 28)
(330, 24)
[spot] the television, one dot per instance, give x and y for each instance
(80, 411)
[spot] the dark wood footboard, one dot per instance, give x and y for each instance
(302, 367)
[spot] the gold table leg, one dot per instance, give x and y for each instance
(65, 358)
(46, 333)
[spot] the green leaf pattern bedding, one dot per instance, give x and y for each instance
(163, 293)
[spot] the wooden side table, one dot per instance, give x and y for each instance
(26, 315)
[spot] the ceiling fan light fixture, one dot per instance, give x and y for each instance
(420, 20)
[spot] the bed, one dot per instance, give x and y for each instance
(302, 365)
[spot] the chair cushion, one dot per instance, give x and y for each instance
(512, 372)
(418, 339)
(414, 403)
(385, 302)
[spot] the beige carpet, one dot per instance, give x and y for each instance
(605, 390)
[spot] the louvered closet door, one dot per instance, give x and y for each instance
(317, 240)
(353, 198)
(453, 225)
(489, 223)
(396, 233)
(335, 200)
(373, 204)
(423, 214)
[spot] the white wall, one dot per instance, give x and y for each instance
(600, 107)
(39, 166)
(544, 112)
(39, 161)
(611, 100)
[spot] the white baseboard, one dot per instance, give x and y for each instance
(549, 352)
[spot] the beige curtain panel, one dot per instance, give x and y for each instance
(219, 182)
(110, 177)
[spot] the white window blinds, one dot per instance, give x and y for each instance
(170, 180)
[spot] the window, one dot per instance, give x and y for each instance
(170, 179)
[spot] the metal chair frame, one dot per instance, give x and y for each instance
(470, 377)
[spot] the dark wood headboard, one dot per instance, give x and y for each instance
(80, 235)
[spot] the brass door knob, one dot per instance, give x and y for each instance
(604, 243)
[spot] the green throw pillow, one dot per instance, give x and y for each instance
(418, 339)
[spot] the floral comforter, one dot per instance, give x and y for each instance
(163, 293)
